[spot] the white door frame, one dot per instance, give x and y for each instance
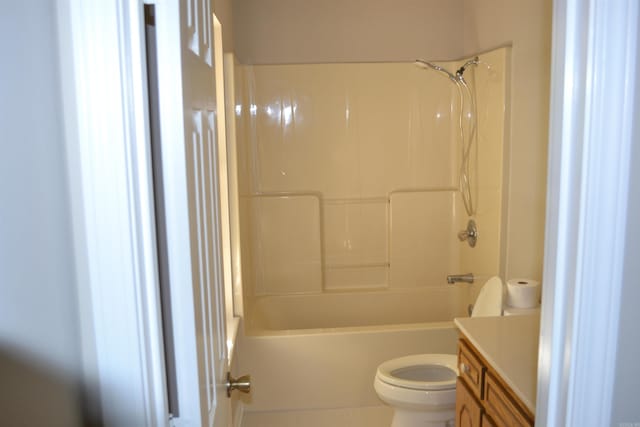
(104, 92)
(594, 74)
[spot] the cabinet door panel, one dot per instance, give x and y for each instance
(468, 410)
(500, 405)
(471, 369)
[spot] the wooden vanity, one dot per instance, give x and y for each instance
(497, 362)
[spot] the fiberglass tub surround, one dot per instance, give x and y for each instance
(349, 179)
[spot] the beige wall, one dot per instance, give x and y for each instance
(223, 10)
(526, 24)
(294, 31)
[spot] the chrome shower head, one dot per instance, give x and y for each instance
(428, 65)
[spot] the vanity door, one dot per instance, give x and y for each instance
(468, 409)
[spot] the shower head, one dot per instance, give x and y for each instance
(428, 65)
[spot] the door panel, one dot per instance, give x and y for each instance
(190, 133)
(468, 410)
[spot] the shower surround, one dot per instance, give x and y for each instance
(348, 176)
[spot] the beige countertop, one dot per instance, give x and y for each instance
(510, 345)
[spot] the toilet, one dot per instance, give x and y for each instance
(421, 388)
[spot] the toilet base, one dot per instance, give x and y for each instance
(408, 418)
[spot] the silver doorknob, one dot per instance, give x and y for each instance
(242, 384)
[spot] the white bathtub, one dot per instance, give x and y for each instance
(302, 357)
(270, 314)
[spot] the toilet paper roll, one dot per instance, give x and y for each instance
(523, 293)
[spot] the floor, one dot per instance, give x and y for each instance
(374, 416)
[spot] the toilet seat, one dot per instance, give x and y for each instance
(420, 372)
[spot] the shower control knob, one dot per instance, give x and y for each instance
(470, 234)
(242, 384)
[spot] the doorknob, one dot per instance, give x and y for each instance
(242, 384)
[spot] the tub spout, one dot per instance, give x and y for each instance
(456, 278)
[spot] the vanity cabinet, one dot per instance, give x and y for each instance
(482, 398)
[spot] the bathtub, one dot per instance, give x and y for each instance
(286, 313)
(315, 352)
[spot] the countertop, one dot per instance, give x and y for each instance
(510, 345)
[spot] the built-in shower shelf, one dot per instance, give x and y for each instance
(421, 190)
(358, 265)
(316, 194)
(355, 200)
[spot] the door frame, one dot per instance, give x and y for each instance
(594, 74)
(104, 94)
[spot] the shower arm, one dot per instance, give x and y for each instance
(457, 77)
(460, 71)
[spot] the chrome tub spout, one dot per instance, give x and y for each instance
(460, 278)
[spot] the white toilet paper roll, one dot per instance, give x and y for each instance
(523, 293)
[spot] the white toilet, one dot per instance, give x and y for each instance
(422, 388)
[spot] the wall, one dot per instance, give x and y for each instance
(39, 342)
(292, 31)
(526, 25)
(224, 12)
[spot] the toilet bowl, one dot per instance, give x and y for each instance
(421, 388)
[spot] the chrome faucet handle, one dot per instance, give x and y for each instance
(463, 235)
(470, 234)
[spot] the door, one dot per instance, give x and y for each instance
(468, 410)
(191, 125)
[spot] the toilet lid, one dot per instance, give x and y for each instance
(489, 301)
(421, 371)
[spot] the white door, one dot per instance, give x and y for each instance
(191, 113)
